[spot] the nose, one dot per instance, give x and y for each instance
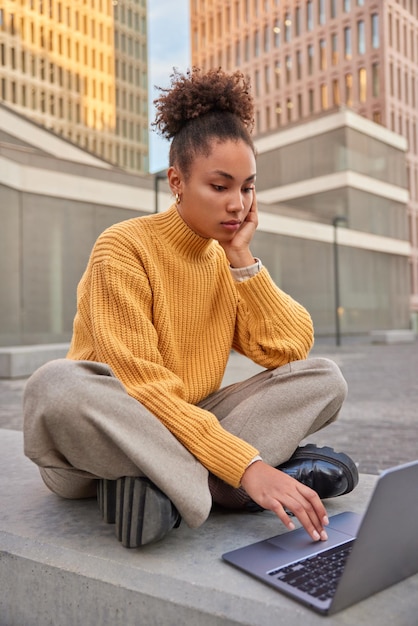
(235, 202)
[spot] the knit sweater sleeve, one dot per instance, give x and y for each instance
(119, 307)
(272, 328)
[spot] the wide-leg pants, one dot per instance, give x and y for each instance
(80, 424)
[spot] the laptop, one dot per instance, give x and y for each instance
(363, 554)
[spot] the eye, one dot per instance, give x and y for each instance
(218, 187)
(248, 189)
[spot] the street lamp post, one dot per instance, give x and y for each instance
(161, 175)
(338, 219)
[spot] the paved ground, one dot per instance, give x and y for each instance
(378, 425)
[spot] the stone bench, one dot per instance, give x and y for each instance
(60, 563)
(22, 361)
(393, 336)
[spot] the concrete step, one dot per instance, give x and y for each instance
(393, 336)
(22, 361)
(61, 564)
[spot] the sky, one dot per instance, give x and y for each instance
(168, 47)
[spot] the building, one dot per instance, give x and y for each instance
(79, 69)
(340, 170)
(56, 198)
(307, 57)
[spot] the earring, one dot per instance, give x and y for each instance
(178, 199)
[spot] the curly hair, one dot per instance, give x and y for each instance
(199, 107)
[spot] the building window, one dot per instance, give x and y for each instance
(311, 100)
(310, 59)
(375, 30)
(257, 121)
(278, 114)
(322, 54)
(287, 27)
(277, 74)
(299, 64)
(349, 90)
(288, 68)
(324, 97)
(309, 15)
(321, 12)
(277, 33)
(362, 84)
(238, 53)
(267, 78)
(397, 35)
(298, 21)
(336, 97)
(375, 80)
(334, 44)
(237, 13)
(347, 6)
(256, 43)
(333, 8)
(361, 37)
(300, 111)
(391, 80)
(289, 107)
(266, 39)
(257, 82)
(246, 11)
(347, 43)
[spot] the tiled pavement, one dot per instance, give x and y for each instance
(378, 425)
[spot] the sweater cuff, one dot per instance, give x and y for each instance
(240, 274)
(256, 458)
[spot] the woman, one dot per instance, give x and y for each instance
(137, 403)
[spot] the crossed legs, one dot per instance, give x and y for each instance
(80, 424)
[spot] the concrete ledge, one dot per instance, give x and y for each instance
(393, 336)
(22, 361)
(57, 558)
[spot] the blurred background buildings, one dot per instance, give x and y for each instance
(335, 84)
(80, 69)
(305, 57)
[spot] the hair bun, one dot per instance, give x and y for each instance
(198, 93)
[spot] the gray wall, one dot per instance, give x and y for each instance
(374, 287)
(45, 243)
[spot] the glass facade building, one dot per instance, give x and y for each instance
(80, 70)
(309, 57)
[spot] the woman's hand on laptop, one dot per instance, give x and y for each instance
(276, 491)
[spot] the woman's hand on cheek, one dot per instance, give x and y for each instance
(237, 249)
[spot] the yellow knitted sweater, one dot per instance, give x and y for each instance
(158, 304)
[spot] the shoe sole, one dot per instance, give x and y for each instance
(106, 499)
(311, 451)
(141, 513)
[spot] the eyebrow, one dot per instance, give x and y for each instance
(230, 177)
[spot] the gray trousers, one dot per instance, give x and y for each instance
(80, 424)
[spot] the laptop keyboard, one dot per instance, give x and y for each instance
(317, 575)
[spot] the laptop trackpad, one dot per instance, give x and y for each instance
(341, 528)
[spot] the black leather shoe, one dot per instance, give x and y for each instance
(142, 512)
(327, 472)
